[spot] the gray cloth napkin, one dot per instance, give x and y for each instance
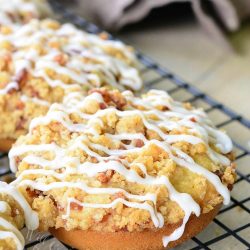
(114, 14)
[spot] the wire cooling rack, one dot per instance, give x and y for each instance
(231, 228)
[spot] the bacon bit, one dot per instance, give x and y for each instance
(93, 159)
(118, 195)
(119, 101)
(61, 59)
(139, 143)
(21, 123)
(14, 212)
(20, 105)
(21, 76)
(105, 177)
(34, 93)
(230, 187)
(193, 119)
(75, 206)
(219, 173)
(165, 108)
(111, 97)
(33, 193)
(105, 217)
(103, 105)
(60, 208)
(127, 142)
(103, 36)
(17, 160)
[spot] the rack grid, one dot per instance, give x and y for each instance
(231, 228)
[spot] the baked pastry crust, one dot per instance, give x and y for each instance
(6, 144)
(146, 240)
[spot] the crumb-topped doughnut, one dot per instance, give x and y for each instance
(22, 11)
(114, 164)
(14, 212)
(42, 61)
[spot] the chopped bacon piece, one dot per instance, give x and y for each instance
(118, 195)
(127, 142)
(103, 105)
(219, 173)
(139, 143)
(165, 108)
(119, 101)
(93, 159)
(105, 177)
(33, 192)
(105, 217)
(14, 212)
(61, 59)
(193, 119)
(230, 187)
(20, 105)
(75, 206)
(21, 123)
(111, 97)
(21, 76)
(60, 208)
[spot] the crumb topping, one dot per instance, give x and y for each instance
(43, 61)
(113, 161)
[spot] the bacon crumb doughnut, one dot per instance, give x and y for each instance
(14, 211)
(43, 61)
(113, 166)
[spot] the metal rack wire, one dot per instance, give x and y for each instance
(161, 78)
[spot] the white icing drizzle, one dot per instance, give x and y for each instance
(10, 86)
(199, 130)
(3, 207)
(35, 100)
